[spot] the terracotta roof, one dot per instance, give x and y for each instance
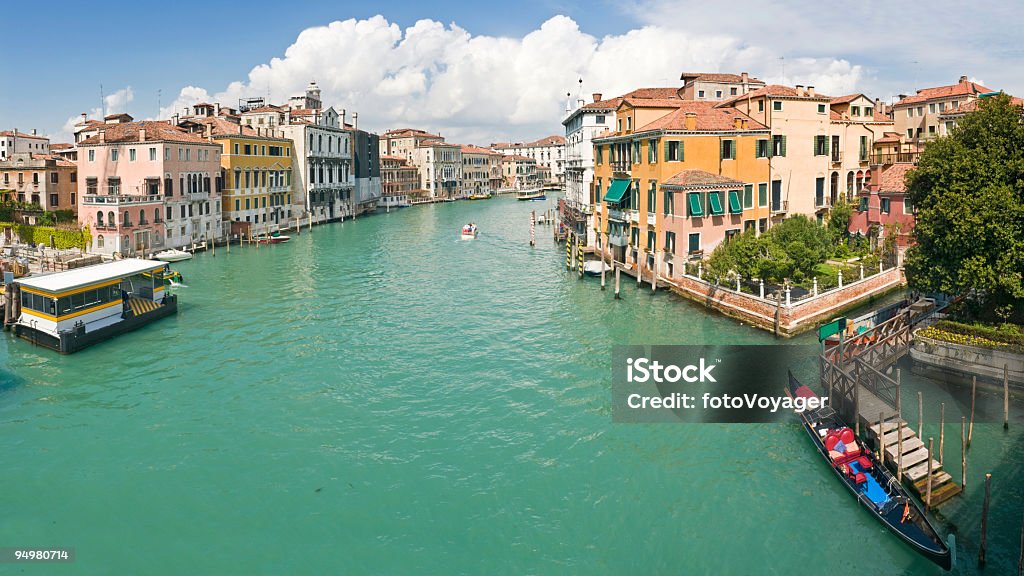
(304, 111)
(878, 117)
(404, 132)
(699, 178)
(121, 115)
(709, 118)
(889, 137)
(22, 135)
(609, 104)
(959, 89)
(517, 157)
(652, 102)
(262, 109)
(58, 161)
(775, 91)
(155, 130)
(964, 108)
(555, 140)
(894, 178)
(386, 157)
(473, 149)
(718, 77)
(847, 98)
(61, 146)
(653, 93)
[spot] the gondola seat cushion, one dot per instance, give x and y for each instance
(860, 478)
(864, 462)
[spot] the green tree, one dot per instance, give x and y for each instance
(839, 218)
(806, 242)
(969, 192)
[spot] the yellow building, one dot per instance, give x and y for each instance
(677, 179)
(257, 165)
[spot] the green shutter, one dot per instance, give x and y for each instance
(715, 204)
(827, 144)
(735, 206)
(721, 149)
(783, 146)
(682, 156)
(667, 146)
(748, 195)
(693, 200)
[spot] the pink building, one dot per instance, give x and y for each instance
(713, 210)
(883, 203)
(146, 186)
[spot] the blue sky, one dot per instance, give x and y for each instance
(478, 71)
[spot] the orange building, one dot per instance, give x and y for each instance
(676, 179)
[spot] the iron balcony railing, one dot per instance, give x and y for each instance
(108, 199)
(896, 158)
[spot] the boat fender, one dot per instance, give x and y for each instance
(906, 511)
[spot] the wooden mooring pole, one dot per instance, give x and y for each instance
(928, 489)
(899, 406)
(1006, 397)
(974, 391)
(963, 453)
(881, 438)
(984, 520)
(617, 271)
(942, 430)
(899, 452)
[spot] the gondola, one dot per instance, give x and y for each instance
(874, 487)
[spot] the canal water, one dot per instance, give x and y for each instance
(380, 397)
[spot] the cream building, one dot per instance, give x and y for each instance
(548, 151)
(919, 117)
(716, 86)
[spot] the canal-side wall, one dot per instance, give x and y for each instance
(965, 361)
(786, 319)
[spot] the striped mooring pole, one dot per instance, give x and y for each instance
(579, 257)
(568, 252)
(533, 227)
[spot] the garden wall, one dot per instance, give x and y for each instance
(968, 361)
(786, 319)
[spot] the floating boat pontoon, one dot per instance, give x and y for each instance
(67, 311)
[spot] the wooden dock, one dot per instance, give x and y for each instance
(916, 457)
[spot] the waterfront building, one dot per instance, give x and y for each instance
(399, 181)
(403, 141)
(86, 128)
(440, 167)
(548, 152)
(44, 179)
(144, 186)
(798, 152)
(481, 171)
(883, 207)
(715, 86)
(14, 142)
(919, 117)
(519, 172)
(855, 122)
(366, 168)
(676, 180)
(64, 150)
(582, 124)
(256, 164)
(67, 311)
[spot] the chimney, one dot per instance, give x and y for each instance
(810, 90)
(878, 105)
(691, 120)
(744, 77)
(174, 120)
(142, 134)
(746, 124)
(84, 117)
(185, 111)
(208, 131)
(239, 127)
(287, 116)
(963, 79)
(355, 122)
(799, 89)
(33, 131)
(103, 137)
(343, 113)
(597, 96)
(737, 122)
(216, 108)
(902, 96)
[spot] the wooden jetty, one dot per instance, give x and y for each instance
(854, 374)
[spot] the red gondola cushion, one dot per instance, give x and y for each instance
(860, 478)
(865, 463)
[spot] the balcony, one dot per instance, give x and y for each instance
(779, 206)
(120, 199)
(617, 215)
(198, 196)
(617, 240)
(651, 218)
(633, 216)
(837, 156)
(896, 158)
(821, 202)
(622, 166)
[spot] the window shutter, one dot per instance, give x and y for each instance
(667, 145)
(681, 151)
(783, 151)
(721, 149)
(825, 138)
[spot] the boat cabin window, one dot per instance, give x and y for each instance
(71, 303)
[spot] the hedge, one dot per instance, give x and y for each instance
(41, 235)
(1002, 335)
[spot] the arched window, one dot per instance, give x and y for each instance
(142, 216)
(99, 241)
(127, 220)
(99, 220)
(110, 220)
(849, 183)
(126, 244)
(834, 187)
(156, 214)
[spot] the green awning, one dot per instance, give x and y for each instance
(715, 202)
(695, 207)
(617, 191)
(735, 207)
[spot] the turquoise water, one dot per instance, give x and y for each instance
(379, 397)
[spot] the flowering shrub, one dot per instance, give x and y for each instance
(967, 335)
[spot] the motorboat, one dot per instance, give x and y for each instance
(173, 255)
(275, 238)
(594, 267)
(469, 232)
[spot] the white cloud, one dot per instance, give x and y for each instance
(113, 103)
(188, 96)
(485, 88)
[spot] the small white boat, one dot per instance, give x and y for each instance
(173, 255)
(469, 232)
(593, 267)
